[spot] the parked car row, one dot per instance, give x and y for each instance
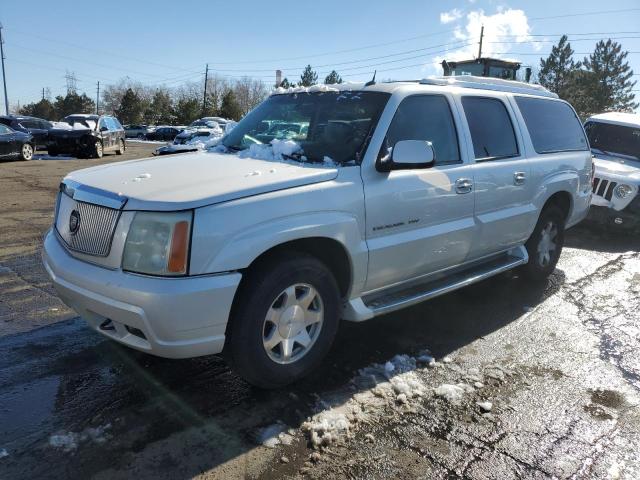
(85, 135)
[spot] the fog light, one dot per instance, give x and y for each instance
(623, 190)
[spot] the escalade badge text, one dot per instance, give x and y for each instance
(74, 222)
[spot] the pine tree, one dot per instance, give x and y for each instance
(556, 70)
(612, 74)
(131, 108)
(309, 77)
(333, 78)
(160, 110)
(73, 103)
(42, 109)
(230, 108)
(285, 83)
(187, 109)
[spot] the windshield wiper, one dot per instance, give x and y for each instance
(300, 157)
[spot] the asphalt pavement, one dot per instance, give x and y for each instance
(503, 379)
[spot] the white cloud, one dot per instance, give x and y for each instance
(503, 31)
(450, 16)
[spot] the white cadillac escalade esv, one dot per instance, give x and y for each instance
(327, 203)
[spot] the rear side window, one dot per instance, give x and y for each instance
(426, 117)
(553, 125)
(491, 128)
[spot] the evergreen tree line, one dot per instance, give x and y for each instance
(600, 82)
(310, 77)
(132, 102)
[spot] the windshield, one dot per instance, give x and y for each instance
(323, 124)
(614, 139)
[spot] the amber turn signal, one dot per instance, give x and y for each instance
(179, 248)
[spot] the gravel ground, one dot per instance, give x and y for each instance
(503, 379)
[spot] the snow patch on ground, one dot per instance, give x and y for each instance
(69, 441)
(44, 156)
(139, 140)
(3, 453)
(453, 393)
(274, 435)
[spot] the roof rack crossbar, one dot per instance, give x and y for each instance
(489, 83)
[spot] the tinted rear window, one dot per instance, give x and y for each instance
(491, 128)
(553, 125)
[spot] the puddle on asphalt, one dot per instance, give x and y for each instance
(26, 410)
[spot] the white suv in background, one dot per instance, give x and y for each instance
(615, 143)
(392, 194)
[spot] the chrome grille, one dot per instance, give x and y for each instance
(603, 188)
(96, 226)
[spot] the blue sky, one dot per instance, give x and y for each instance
(168, 42)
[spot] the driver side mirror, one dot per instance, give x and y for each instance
(409, 155)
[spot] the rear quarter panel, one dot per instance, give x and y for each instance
(568, 171)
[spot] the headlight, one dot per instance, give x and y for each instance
(158, 243)
(623, 190)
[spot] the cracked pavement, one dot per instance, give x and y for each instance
(558, 362)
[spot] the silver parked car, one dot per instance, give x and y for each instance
(394, 193)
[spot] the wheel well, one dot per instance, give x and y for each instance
(330, 252)
(562, 200)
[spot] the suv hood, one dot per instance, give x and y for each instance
(196, 179)
(616, 166)
(69, 133)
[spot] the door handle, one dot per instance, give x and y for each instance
(464, 185)
(519, 178)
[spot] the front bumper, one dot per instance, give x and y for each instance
(167, 317)
(627, 218)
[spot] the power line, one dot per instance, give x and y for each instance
(102, 52)
(601, 12)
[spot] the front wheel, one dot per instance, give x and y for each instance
(545, 244)
(98, 150)
(26, 152)
(284, 320)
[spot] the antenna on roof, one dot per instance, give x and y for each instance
(372, 81)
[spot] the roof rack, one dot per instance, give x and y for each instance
(489, 83)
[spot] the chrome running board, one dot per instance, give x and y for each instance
(390, 300)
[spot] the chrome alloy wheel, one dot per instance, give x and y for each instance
(547, 244)
(27, 151)
(293, 323)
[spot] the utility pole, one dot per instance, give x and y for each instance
(4, 76)
(204, 99)
(98, 99)
(42, 93)
(481, 35)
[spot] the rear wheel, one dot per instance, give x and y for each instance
(545, 244)
(26, 152)
(98, 150)
(121, 147)
(284, 320)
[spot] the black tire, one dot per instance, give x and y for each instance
(539, 266)
(121, 147)
(260, 289)
(26, 151)
(98, 150)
